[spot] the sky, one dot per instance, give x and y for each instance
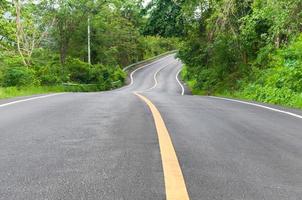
(146, 2)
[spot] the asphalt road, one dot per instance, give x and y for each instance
(105, 145)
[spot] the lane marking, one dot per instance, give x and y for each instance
(29, 99)
(174, 181)
(178, 81)
(258, 105)
(132, 73)
(155, 79)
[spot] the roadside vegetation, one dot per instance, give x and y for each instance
(44, 48)
(249, 49)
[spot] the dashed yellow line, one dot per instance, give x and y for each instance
(174, 181)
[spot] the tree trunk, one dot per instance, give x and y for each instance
(245, 57)
(63, 52)
(277, 41)
(19, 30)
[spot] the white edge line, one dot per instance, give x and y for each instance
(178, 81)
(258, 105)
(154, 78)
(29, 99)
(153, 59)
(132, 73)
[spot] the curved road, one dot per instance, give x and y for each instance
(107, 145)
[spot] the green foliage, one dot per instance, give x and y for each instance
(281, 83)
(9, 92)
(10, 59)
(251, 48)
(51, 48)
(155, 45)
(48, 68)
(50, 78)
(79, 71)
(269, 94)
(165, 19)
(104, 76)
(7, 29)
(18, 76)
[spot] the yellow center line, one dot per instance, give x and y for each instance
(174, 181)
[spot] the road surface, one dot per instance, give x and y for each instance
(114, 145)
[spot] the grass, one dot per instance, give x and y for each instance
(294, 102)
(10, 92)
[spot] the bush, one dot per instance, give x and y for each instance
(18, 76)
(52, 75)
(103, 76)
(78, 70)
(48, 68)
(119, 75)
(281, 83)
(107, 77)
(47, 72)
(206, 78)
(50, 79)
(155, 45)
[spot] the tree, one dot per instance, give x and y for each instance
(7, 30)
(29, 29)
(165, 18)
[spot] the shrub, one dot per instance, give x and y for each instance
(48, 68)
(51, 75)
(107, 76)
(281, 83)
(155, 45)
(103, 76)
(78, 70)
(119, 75)
(18, 76)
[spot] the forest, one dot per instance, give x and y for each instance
(248, 49)
(44, 44)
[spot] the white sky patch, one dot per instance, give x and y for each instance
(197, 13)
(146, 2)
